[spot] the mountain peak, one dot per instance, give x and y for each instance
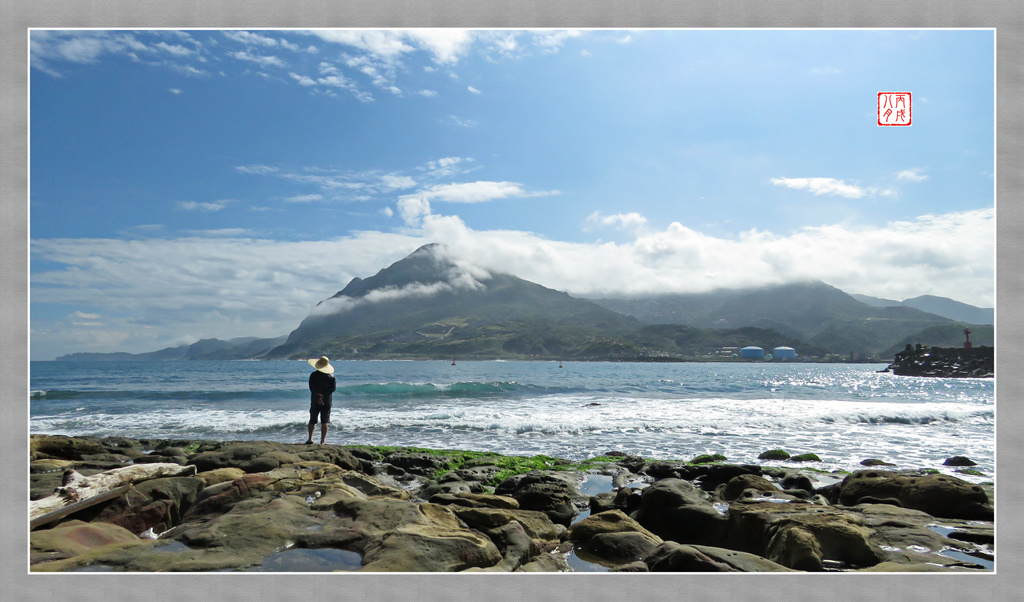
(431, 248)
(426, 265)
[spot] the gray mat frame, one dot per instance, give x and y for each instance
(1006, 17)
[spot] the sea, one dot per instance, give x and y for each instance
(843, 413)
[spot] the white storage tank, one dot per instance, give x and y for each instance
(755, 353)
(784, 353)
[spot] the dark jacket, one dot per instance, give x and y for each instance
(321, 384)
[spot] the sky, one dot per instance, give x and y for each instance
(220, 183)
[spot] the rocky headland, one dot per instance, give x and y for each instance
(117, 504)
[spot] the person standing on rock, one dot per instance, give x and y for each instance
(321, 386)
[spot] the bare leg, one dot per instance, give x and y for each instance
(309, 439)
(323, 432)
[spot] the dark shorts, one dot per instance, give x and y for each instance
(323, 412)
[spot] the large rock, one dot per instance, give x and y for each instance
(218, 499)
(263, 456)
(675, 557)
(537, 525)
(516, 547)
(612, 538)
(419, 463)
(338, 456)
(738, 484)
(937, 494)
(802, 536)
(555, 493)
(546, 563)
(64, 448)
(220, 475)
(706, 476)
(911, 539)
(612, 521)
(232, 455)
(157, 504)
(244, 536)
(76, 538)
(397, 535)
(475, 500)
(674, 510)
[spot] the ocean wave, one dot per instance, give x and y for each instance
(404, 390)
(56, 395)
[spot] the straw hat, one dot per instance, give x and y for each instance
(323, 365)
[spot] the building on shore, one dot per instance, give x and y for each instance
(752, 353)
(784, 353)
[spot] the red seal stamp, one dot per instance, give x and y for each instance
(894, 108)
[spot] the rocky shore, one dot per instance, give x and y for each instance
(266, 506)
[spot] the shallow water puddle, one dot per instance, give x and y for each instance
(171, 547)
(594, 484)
(310, 560)
(93, 568)
(961, 555)
(580, 565)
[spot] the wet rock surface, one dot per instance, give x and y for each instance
(947, 362)
(263, 506)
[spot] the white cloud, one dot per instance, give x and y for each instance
(447, 45)
(303, 79)
(49, 47)
(304, 198)
(369, 185)
(457, 279)
(912, 175)
(262, 60)
(175, 49)
(428, 93)
(475, 192)
(620, 221)
(383, 44)
(449, 166)
(221, 233)
(228, 287)
(551, 42)
(249, 38)
(949, 255)
(174, 90)
(506, 45)
(84, 316)
(256, 169)
(209, 207)
(413, 209)
(473, 90)
(466, 123)
(396, 182)
(820, 186)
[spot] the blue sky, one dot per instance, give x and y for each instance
(196, 184)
